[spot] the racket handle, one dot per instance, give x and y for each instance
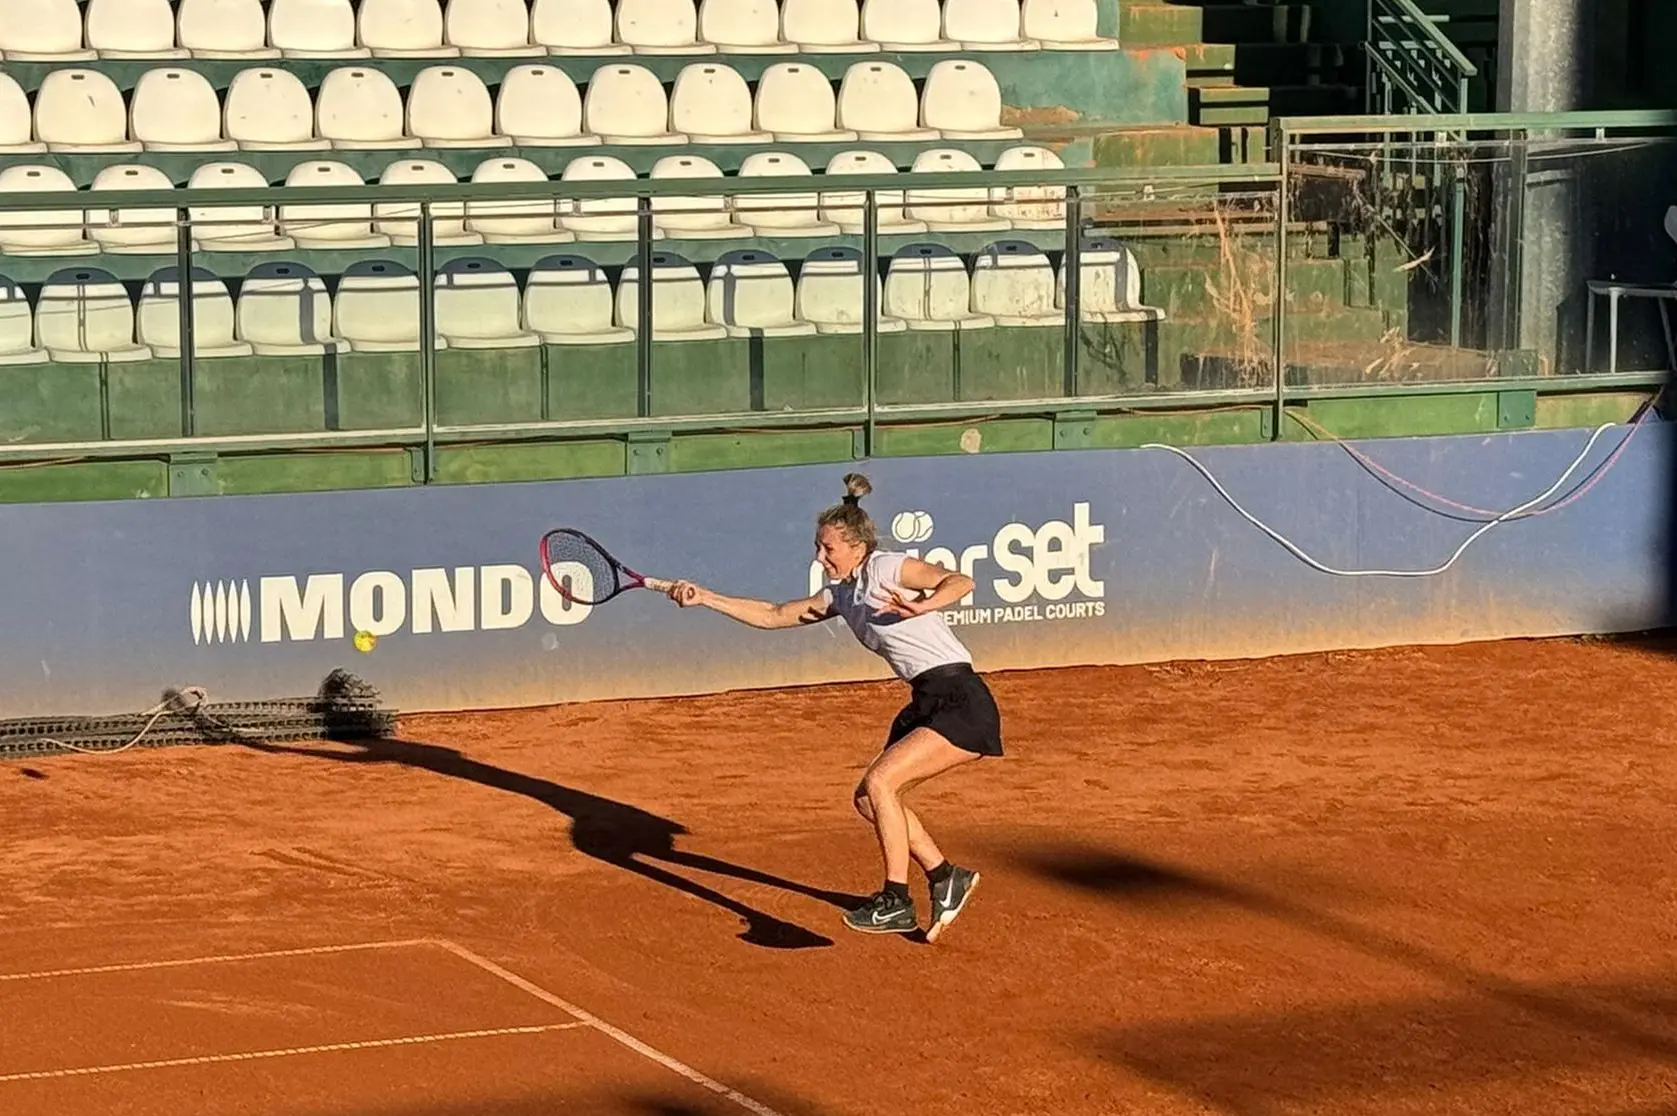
(657, 584)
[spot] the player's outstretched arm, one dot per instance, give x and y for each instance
(934, 586)
(758, 614)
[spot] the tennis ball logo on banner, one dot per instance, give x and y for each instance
(1031, 570)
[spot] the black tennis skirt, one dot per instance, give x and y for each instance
(953, 702)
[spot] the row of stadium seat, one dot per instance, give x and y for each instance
(55, 30)
(284, 309)
(256, 228)
(267, 109)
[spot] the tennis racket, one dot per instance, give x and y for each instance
(607, 577)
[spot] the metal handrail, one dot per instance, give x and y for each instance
(554, 189)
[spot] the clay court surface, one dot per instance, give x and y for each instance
(1433, 881)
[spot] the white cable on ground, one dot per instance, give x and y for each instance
(1507, 516)
(187, 699)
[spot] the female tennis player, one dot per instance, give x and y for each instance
(891, 600)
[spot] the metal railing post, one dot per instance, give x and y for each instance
(1074, 288)
(428, 337)
(184, 299)
(1278, 308)
(643, 306)
(870, 320)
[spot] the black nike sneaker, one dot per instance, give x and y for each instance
(883, 914)
(948, 898)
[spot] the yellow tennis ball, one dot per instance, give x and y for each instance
(365, 641)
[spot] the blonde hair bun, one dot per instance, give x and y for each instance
(856, 485)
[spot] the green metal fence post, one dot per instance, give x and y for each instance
(1074, 287)
(184, 287)
(1278, 309)
(643, 306)
(870, 319)
(428, 336)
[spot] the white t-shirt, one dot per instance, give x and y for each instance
(910, 644)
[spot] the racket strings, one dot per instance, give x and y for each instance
(569, 554)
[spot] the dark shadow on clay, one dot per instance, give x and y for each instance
(1480, 1026)
(611, 832)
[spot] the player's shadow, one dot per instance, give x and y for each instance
(612, 832)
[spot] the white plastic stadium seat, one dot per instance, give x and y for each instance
(540, 106)
(360, 107)
(848, 209)
(750, 294)
(490, 29)
(377, 308)
(17, 327)
(17, 122)
(1029, 207)
(795, 102)
(1013, 281)
(601, 218)
(400, 220)
(712, 104)
(329, 226)
(905, 25)
(403, 29)
(824, 26)
(963, 102)
(42, 31)
(514, 222)
(984, 24)
(1109, 285)
(176, 109)
(268, 109)
(926, 285)
(224, 29)
(574, 27)
(84, 316)
(314, 29)
(678, 301)
(964, 209)
(830, 291)
(121, 29)
(81, 111)
(696, 218)
(233, 228)
(626, 104)
(877, 101)
(284, 310)
(477, 307)
(742, 26)
(158, 326)
(449, 106)
(660, 27)
(781, 214)
(132, 231)
(1064, 25)
(53, 232)
(568, 301)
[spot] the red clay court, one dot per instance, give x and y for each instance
(1430, 881)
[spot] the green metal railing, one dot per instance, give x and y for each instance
(1412, 66)
(1086, 191)
(1450, 144)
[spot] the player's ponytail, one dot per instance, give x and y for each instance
(847, 514)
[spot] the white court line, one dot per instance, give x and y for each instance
(138, 966)
(605, 1028)
(288, 1052)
